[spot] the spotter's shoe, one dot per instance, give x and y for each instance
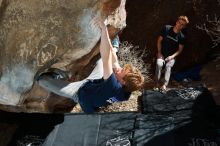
(163, 89)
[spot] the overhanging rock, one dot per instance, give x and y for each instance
(38, 35)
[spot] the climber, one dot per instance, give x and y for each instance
(108, 82)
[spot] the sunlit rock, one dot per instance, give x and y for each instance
(38, 35)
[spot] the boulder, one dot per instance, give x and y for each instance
(36, 36)
(210, 76)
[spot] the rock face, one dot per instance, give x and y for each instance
(38, 35)
(146, 19)
(210, 76)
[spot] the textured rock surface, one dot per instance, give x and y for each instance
(210, 77)
(37, 35)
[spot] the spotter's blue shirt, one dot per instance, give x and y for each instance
(98, 93)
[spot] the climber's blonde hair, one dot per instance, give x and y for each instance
(134, 80)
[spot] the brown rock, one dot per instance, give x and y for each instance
(210, 76)
(37, 35)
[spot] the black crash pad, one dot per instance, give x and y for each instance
(178, 118)
(93, 130)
